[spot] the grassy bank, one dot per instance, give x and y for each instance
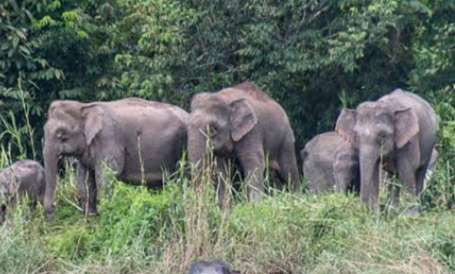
(162, 232)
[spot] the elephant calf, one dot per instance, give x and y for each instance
(24, 177)
(213, 267)
(330, 163)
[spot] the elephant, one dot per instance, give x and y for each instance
(397, 132)
(25, 177)
(135, 138)
(330, 163)
(244, 124)
(212, 267)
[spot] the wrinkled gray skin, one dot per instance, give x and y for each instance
(213, 267)
(111, 134)
(24, 177)
(246, 124)
(330, 164)
(399, 129)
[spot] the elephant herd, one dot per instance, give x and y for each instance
(139, 140)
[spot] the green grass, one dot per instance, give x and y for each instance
(162, 232)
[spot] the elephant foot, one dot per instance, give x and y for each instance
(87, 209)
(255, 196)
(412, 211)
(91, 213)
(49, 214)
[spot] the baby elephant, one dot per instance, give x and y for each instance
(22, 178)
(330, 163)
(213, 267)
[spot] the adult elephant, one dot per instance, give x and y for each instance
(246, 124)
(330, 163)
(135, 138)
(398, 131)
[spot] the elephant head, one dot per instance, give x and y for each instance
(211, 267)
(225, 123)
(70, 129)
(377, 129)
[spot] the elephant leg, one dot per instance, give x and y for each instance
(252, 162)
(420, 179)
(114, 164)
(288, 166)
(97, 180)
(82, 179)
(394, 194)
(406, 173)
(100, 178)
(92, 193)
(222, 176)
(343, 173)
(342, 180)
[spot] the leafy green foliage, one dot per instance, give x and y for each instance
(301, 52)
(312, 56)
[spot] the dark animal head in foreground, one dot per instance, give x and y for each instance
(212, 267)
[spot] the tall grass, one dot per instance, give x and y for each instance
(19, 134)
(143, 231)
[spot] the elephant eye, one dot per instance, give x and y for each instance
(62, 136)
(381, 137)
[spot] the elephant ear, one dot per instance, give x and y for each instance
(406, 126)
(345, 124)
(93, 122)
(243, 119)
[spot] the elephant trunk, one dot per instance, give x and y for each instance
(196, 147)
(50, 167)
(369, 178)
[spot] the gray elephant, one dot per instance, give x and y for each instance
(243, 123)
(135, 138)
(330, 163)
(212, 267)
(22, 178)
(398, 132)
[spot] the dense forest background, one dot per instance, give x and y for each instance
(313, 56)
